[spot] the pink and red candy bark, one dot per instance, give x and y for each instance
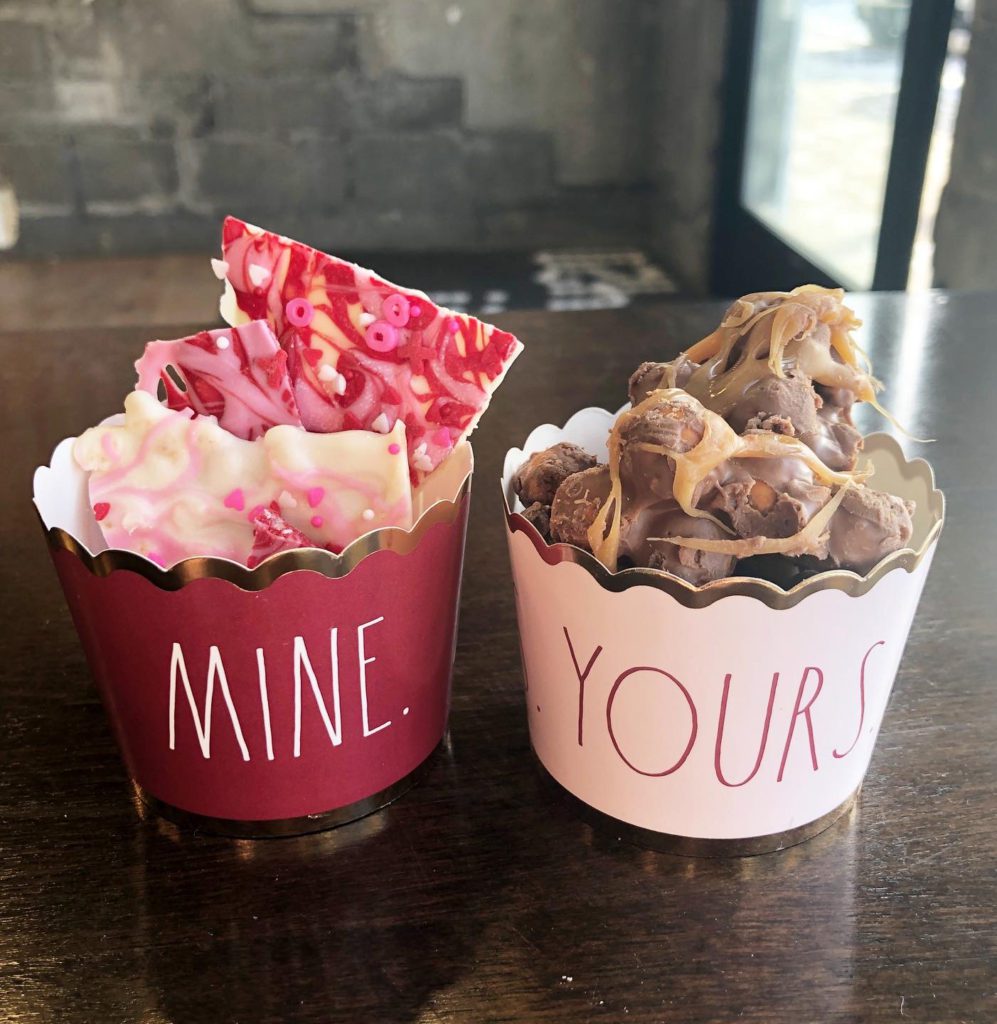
(363, 353)
(236, 374)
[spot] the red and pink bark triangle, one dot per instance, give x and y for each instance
(361, 352)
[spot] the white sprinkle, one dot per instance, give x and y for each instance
(381, 424)
(405, 711)
(219, 268)
(421, 463)
(366, 319)
(368, 514)
(332, 377)
(223, 341)
(258, 275)
(420, 449)
(287, 500)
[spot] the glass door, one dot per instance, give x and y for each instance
(829, 112)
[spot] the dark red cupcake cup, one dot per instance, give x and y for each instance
(289, 698)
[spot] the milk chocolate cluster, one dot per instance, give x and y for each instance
(738, 457)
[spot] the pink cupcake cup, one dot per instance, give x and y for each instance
(731, 718)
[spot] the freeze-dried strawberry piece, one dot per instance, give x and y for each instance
(236, 374)
(364, 353)
(275, 367)
(271, 534)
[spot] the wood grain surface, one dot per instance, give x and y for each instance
(479, 897)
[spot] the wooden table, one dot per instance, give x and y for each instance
(477, 897)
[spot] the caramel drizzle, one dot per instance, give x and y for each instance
(806, 542)
(794, 316)
(693, 467)
(777, 331)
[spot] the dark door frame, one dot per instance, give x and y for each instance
(746, 254)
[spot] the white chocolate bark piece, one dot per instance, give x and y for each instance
(169, 485)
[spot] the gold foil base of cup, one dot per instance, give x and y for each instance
(691, 846)
(284, 827)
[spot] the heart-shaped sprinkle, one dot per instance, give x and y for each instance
(235, 499)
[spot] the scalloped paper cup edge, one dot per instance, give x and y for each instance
(589, 429)
(61, 500)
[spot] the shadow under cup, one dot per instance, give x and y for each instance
(732, 718)
(289, 698)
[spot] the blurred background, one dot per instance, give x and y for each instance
(566, 154)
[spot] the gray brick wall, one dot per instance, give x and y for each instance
(133, 125)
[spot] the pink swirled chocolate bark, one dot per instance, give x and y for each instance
(170, 484)
(236, 374)
(364, 353)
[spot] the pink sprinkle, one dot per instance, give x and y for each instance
(316, 521)
(382, 336)
(393, 448)
(396, 310)
(315, 496)
(452, 326)
(442, 438)
(101, 509)
(235, 499)
(299, 312)
(414, 309)
(154, 556)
